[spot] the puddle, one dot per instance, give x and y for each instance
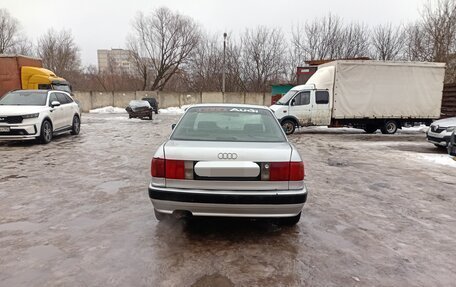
(213, 280)
(112, 187)
(24, 226)
(43, 252)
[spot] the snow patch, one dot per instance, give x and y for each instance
(108, 110)
(442, 159)
(174, 110)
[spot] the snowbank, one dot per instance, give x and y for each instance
(442, 159)
(108, 110)
(174, 110)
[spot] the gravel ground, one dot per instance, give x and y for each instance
(75, 212)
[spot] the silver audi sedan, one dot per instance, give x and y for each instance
(228, 160)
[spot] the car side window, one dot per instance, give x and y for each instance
(322, 97)
(68, 99)
(62, 98)
(52, 98)
(302, 99)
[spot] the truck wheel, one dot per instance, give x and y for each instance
(370, 129)
(389, 128)
(46, 132)
(288, 126)
(76, 127)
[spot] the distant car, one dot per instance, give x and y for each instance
(228, 160)
(452, 144)
(139, 109)
(38, 114)
(440, 131)
(153, 103)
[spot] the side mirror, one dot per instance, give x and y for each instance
(293, 102)
(55, 104)
(173, 126)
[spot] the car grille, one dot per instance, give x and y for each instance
(15, 132)
(437, 129)
(434, 139)
(11, 119)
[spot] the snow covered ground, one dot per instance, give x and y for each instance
(442, 159)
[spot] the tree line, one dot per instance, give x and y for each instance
(171, 52)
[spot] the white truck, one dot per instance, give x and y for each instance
(369, 95)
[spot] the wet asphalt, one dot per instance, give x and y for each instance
(76, 212)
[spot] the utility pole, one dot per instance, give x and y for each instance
(223, 72)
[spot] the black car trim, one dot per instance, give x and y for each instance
(226, 198)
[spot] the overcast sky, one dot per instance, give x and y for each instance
(105, 24)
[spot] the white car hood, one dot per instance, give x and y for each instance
(20, 110)
(449, 122)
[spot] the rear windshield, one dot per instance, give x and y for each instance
(228, 124)
(24, 99)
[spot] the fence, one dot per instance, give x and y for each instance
(93, 100)
(449, 101)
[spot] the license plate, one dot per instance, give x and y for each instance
(4, 129)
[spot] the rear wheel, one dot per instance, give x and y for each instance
(76, 127)
(290, 221)
(288, 126)
(389, 128)
(150, 116)
(46, 132)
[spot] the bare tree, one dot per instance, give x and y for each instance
(263, 55)
(59, 52)
(353, 41)
(206, 64)
(11, 40)
(165, 39)
(387, 42)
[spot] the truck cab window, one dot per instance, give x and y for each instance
(44, 87)
(322, 97)
(301, 99)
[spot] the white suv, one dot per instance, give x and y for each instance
(38, 114)
(440, 132)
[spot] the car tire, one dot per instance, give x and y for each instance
(288, 126)
(76, 126)
(370, 129)
(46, 132)
(389, 128)
(290, 221)
(151, 113)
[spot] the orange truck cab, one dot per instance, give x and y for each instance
(21, 72)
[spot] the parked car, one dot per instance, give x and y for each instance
(153, 103)
(38, 114)
(139, 109)
(440, 131)
(228, 160)
(452, 144)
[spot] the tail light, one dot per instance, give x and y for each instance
(167, 168)
(286, 171)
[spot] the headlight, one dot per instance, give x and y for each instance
(30, 116)
(450, 129)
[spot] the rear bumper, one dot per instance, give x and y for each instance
(278, 203)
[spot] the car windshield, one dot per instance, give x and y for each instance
(228, 124)
(24, 98)
(284, 100)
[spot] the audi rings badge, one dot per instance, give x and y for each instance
(227, 155)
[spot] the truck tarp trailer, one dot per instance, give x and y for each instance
(365, 94)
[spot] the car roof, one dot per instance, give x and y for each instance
(31, 91)
(244, 106)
